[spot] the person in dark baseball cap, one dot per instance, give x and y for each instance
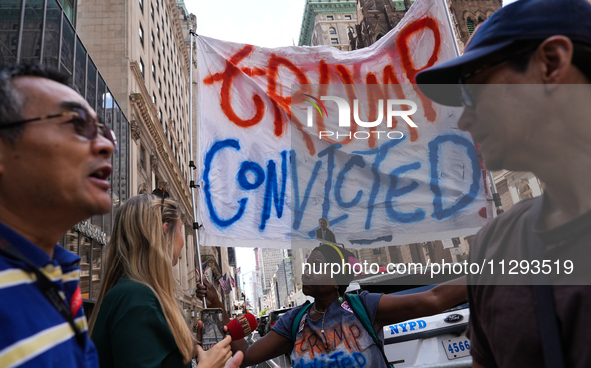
(524, 83)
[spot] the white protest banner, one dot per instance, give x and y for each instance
(293, 134)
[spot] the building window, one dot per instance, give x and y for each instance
(142, 157)
(159, 87)
(153, 41)
(152, 11)
(329, 17)
(331, 30)
(158, 31)
(142, 5)
(470, 25)
(153, 98)
(347, 17)
(164, 101)
(142, 67)
(153, 71)
(334, 41)
(525, 191)
(157, 5)
(142, 35)
(160, 116)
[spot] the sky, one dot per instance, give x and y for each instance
(267, 23)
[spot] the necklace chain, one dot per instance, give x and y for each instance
(317, 311)
(321, 313)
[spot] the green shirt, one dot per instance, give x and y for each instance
(130, 330)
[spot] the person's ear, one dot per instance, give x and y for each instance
(555, 56)
(165, 227)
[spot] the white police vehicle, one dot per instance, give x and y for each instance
(429, 342)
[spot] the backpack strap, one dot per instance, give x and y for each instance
(297, 319)
(360, 311)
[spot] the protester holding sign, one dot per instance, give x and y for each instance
(339, 327)
(294, 134)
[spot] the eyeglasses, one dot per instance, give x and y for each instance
(162, 193)
(84, 124)
(467, 96)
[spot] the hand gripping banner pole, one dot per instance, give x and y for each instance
(192, 184)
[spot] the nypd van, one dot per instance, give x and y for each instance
(428, 342)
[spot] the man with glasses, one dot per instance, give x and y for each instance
(524, 84)
(54, 169)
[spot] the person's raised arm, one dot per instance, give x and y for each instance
(397, 308)
(265, 348)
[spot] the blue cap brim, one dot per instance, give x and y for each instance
(440, 82)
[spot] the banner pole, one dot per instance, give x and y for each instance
(496, 197)
(495, 194)
(192, 184)
(451, 27)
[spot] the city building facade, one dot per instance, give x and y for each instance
(328, 22)
(143, 49)
(268, 259)
(378, 17)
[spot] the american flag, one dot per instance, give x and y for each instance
(223, 283)
(232, 282)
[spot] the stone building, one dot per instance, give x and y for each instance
(143, 49)
(375, 18)
(378, 17)
(514, 186)
(328, 22)
(267, 262)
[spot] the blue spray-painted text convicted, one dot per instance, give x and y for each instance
(385, 189)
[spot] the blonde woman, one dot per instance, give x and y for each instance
(137, 321)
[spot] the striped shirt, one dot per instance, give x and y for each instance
(32, 331)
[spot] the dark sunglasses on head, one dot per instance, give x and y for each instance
(84, 124)
(162, 193)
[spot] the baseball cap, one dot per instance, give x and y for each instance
(523, 20)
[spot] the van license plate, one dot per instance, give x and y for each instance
(456, 347)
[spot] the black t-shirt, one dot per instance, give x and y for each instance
(503, 328)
